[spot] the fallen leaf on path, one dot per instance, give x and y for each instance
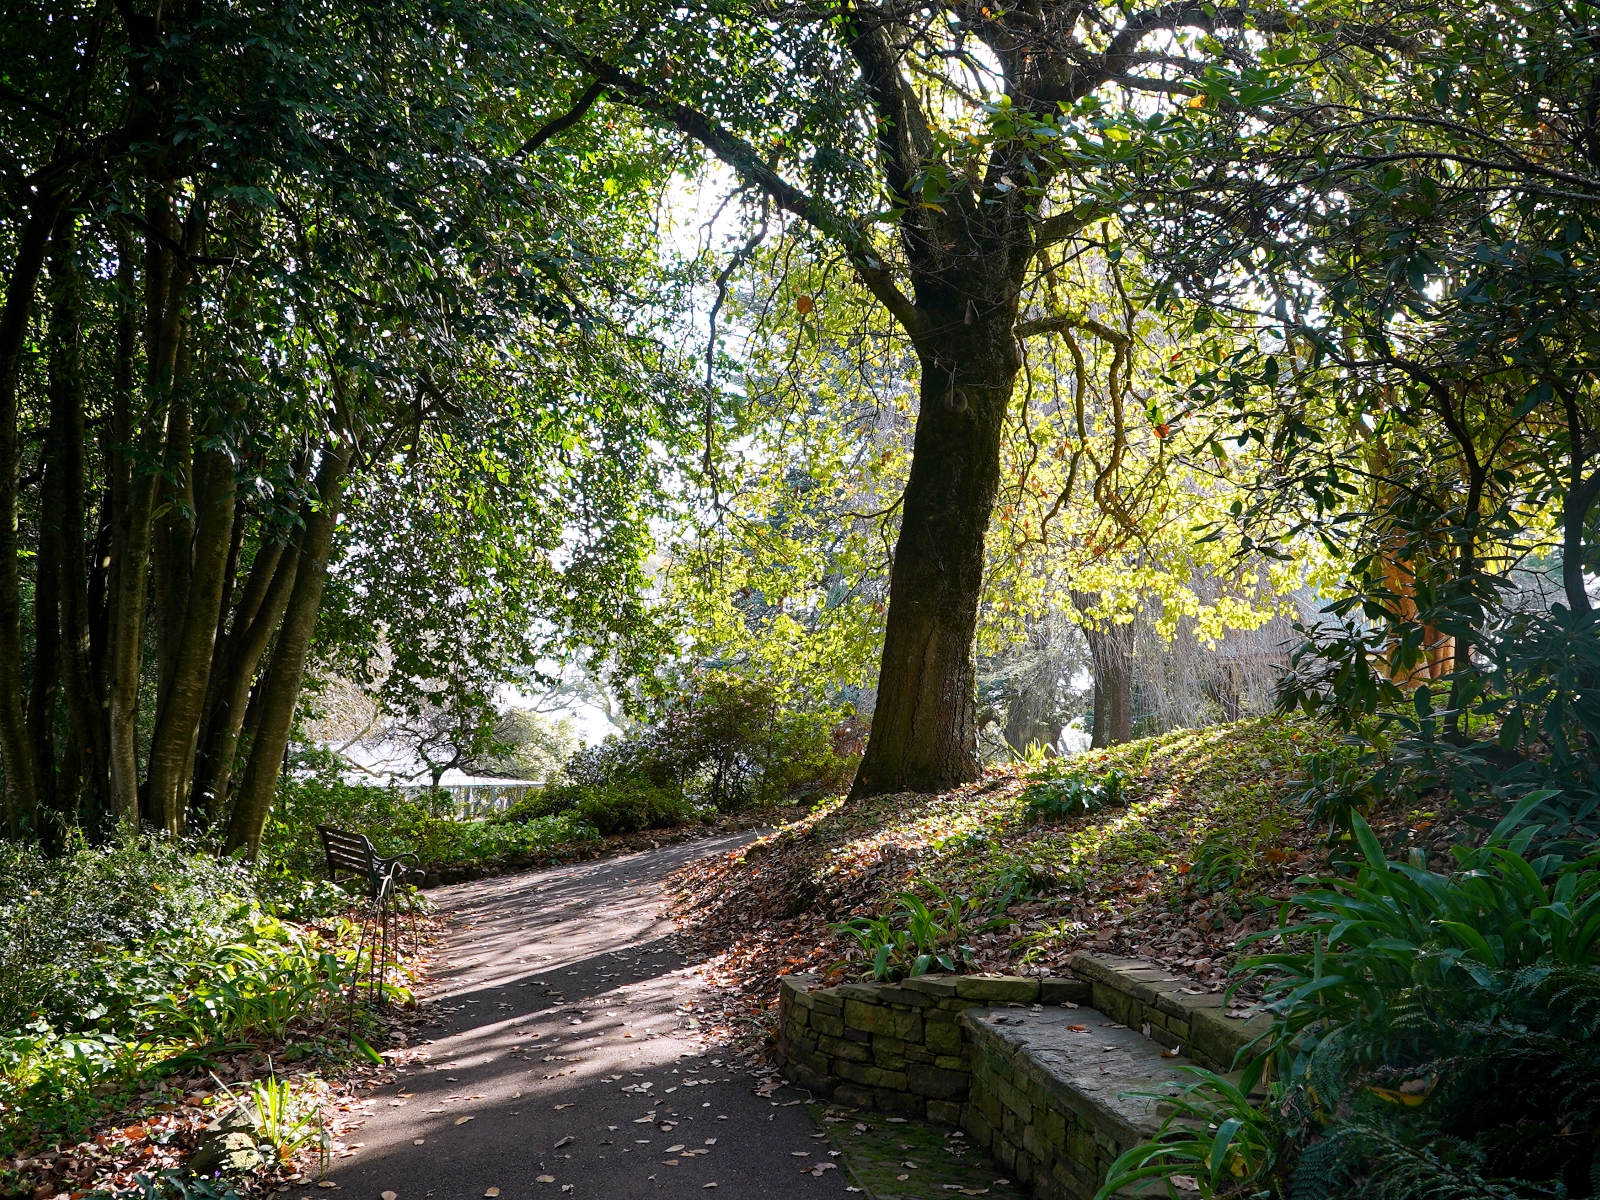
(494, 1191)
(559, 1107)
(417, 1142)
(462, 1120)
(566, 1141)
(545, 1179)
(390, 1195)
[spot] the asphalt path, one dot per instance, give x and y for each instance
(570, 1062)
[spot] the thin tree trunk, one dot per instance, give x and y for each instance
(47, 628)
(261, 606)
(924, 727)
(172, 546)
(1111, 651)
(85, 765)
(16, 746)
(163, 306)
(254, 801)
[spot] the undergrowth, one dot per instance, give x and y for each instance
(144, 959)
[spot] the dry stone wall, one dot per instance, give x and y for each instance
(1034, 1069)
(896, 1048)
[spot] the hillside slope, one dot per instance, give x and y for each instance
(1202, 840)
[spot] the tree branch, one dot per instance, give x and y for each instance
(562, 123)
(755, 172)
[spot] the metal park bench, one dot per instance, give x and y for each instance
(354, 853)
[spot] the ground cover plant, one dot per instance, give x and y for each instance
(142, 976)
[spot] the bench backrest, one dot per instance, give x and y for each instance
(348, 852)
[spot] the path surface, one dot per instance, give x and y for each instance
(569, 1062)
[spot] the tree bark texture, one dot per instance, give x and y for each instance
(254, 801)
(924, 727)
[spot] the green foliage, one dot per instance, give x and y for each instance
(424, 825)
(284, 1119)
(916, 938)
(1212, 1139)
(1434, 1030)
(1073, 795)
(1522, 720)
(138, 959)
(722, 743)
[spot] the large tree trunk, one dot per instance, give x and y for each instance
(254, 801)
(261, 606)
(924, 729)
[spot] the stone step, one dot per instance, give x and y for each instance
(998, 1055)
(1048, 1099)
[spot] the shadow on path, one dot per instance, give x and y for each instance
(567, 1058)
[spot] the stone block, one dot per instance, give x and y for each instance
(1055, 991)
(936, 1083)
(909, 997)
(873, 1077)
(978, 1127)
(1117, 1005)
(945, 1112)
(859, 991)
(998, 988)
(889, 1053)
(845, 1049)
(951, 1062)
(1014, 1100)
(867, 1016)
(1005, 1153)
(899, 1101)
(941, 1035)
(932, 985)
(826, 1003)
(857, 1035)
(825, 1024)
(852, 1095)
(1179, 1028)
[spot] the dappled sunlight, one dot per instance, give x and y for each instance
(1170, 873)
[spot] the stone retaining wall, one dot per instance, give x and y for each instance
(896, 1048)
(1039, 1088)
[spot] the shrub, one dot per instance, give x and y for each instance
(727, 743)
(1072, 795)
(631, 805)
(134, 959)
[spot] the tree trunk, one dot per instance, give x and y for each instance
(163, 302)
(16, 747)
(85, 767)
(254, 801)
(172, 746)
(261, 606)
(1111, 652)
(924, 729)
(47, 627)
